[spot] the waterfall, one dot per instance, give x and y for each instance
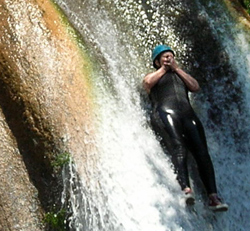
(131, 185)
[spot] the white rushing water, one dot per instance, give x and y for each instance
(132, 186)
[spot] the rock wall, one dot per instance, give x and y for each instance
(20, 207)
(45, 108)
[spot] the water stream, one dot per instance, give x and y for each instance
(132, 186)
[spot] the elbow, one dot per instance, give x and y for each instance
(147, 85)
(195, 88)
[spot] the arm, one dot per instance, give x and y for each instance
(152, 78)
(190, 82)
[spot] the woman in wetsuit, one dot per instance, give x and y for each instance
(174, 120)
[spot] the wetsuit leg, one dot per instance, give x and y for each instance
(196, 141)
(168, 127)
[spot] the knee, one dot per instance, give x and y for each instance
(179, 153)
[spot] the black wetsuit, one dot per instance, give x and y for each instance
(180, 130)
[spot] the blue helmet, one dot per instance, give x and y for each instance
(158, 50)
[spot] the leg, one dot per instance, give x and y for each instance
(197, 144)
(169, 128)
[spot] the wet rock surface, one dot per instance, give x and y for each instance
(44, 102)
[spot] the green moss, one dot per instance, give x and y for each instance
(61, 160)
(88, 68)
(56, 221)
(246, 4)
(76, 36)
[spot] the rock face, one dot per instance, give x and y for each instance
(45, 101)
(20, 207)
